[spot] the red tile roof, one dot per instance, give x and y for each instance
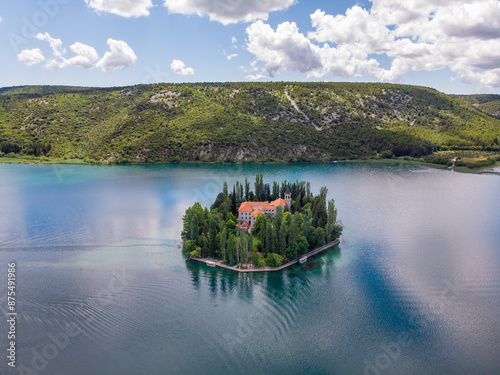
(279, 201)
(246, 207)
(256, 212)
(250, 206)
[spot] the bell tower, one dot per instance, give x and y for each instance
(288, 198)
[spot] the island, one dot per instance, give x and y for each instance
(265, 229)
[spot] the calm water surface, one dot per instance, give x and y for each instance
(414, 286)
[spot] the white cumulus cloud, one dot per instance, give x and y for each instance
(57, 61)
(119, 56)
(254, 77)
(423, 35)
(283, 49)
(124, 8)
(228, 11)
(31, 56)
(356, 26)
(232, 56)
(85, 55)
(180, 68)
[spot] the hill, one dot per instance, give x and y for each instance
(238, 122)
(487, 103)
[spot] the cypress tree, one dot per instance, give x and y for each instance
(282, 240)
(223, 240)
(194, 227)
(233, 201)
(247, 189)
(269, 238)
(294, 231)
(212, 236)
(230, 248)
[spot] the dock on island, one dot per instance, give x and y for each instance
(219, 263)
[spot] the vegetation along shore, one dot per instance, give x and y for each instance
(275, 122)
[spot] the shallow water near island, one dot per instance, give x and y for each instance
(413, 287)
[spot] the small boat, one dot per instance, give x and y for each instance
(302, 260)
(211, 264)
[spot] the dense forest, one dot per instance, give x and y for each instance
(240, 122)
(310, 223)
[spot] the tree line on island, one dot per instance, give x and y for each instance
(311, 222)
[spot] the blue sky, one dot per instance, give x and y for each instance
(453, 47)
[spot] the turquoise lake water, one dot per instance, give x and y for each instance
(102, 286)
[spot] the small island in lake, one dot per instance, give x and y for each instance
(267, 229)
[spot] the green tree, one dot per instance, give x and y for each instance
(231, 248)
(247, 189)
(225, 207)
(319, 212)
(282, 240)
(196, 252)
(189, 246)
(287, 220)
(255, 259)
(260, 225)
(218, 201)
(231, 226)
(333, 228)
(306, 226)
(250, 245)
(223, 240)
(318, 238)
(269, 238)
(230, 216)
(238, 247)
(278, 219)
(186, 225)
(303, 245)
(203, 243)
(276, 190)
(259, 187)
(194, 227)
(323, 191)
(293, 232)
(292, 251)
(233, 201)
(212, 237)
(274, 260)
(193, 221)
(296, 203)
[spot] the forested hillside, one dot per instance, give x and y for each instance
(238, 122)
(487, 103)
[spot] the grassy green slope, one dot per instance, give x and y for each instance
(237, 122)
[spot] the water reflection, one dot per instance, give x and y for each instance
(281, 287)
(410, 233)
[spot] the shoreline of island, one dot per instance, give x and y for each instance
(252, 268)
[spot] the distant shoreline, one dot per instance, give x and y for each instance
(268, 269)
(5, 160)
